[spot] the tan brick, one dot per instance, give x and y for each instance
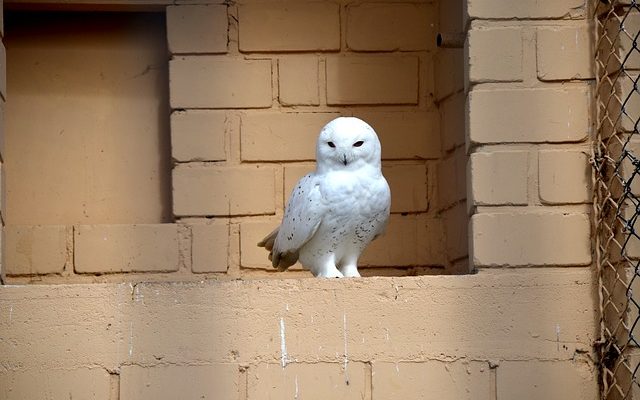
(413, 239)
(534, 115)
(564, 176)
(210, 247)
(452, 178)
(307, 381)
(251, 232)
(627, 169)
(449, 70)
(625, 41)
(126, 248)
(450, 16)
(456, 230)
(35, 249)
(629, 106)
(431, 380)
(372, 80)
(55, 384)
(277, 136)
(405, 134)
(495, 54)
(198, 135)
(3, 71)
(216, 381)
(524, 8)
(388, 26)
(298, 81)
(564, 53)
(408, 183)
(499, 177)
(552, 380)
(219, 82)
(293, 173)
(289, 26)
(197, 28)
(217, 190)
(452, 121)
(530, 238)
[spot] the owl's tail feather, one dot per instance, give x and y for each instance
(281, 261)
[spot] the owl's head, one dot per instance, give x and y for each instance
(347, 143)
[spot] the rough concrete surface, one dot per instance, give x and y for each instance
(257, 327)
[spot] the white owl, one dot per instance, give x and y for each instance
(336, 211)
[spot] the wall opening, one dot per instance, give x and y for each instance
(87, 118)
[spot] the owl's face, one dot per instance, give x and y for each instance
(347, 143)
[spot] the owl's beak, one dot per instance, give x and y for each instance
(344, 159)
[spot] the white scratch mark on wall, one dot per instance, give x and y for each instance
(296, 395)
(558, 336)
(346, 353)
(10, 314)
(130, 339)
(283, 345)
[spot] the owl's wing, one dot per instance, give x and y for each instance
(302, 217)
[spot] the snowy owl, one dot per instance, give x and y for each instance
(336, 211)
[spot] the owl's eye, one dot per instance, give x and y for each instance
(331, 144)
(358, 143)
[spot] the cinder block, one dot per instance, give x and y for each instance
(391, 26)
(198, 135)
(405, 135)
(55, 384)
(408, 183)
(126, 248)
(549, 9)
(372, 80)
(3, 71)
(499, 178)
(564, 176)
(452, 179)
(251, 232)
(450, 16)
(449, 69)
(529, 115)
(564, 53)
(552, 380)
(219, 82)
(626, 42)
(629, 105)
(197, 28)
(495, 55)
(210, 247)
(293, 26)
(223, 191)
(298, 81)
(410, 240)
(34, 249)
(216, 381)
(452, 121)
(456, 230)
(277, 136)
(460, 380)
(530, 239)
(316, 381)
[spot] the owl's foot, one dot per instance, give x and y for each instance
(350, 271)
(329, 273)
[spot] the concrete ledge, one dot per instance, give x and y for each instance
(512, 315)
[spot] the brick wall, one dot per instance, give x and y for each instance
(514, 125)
(251, 84)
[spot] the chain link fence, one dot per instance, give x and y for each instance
(616, 161)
